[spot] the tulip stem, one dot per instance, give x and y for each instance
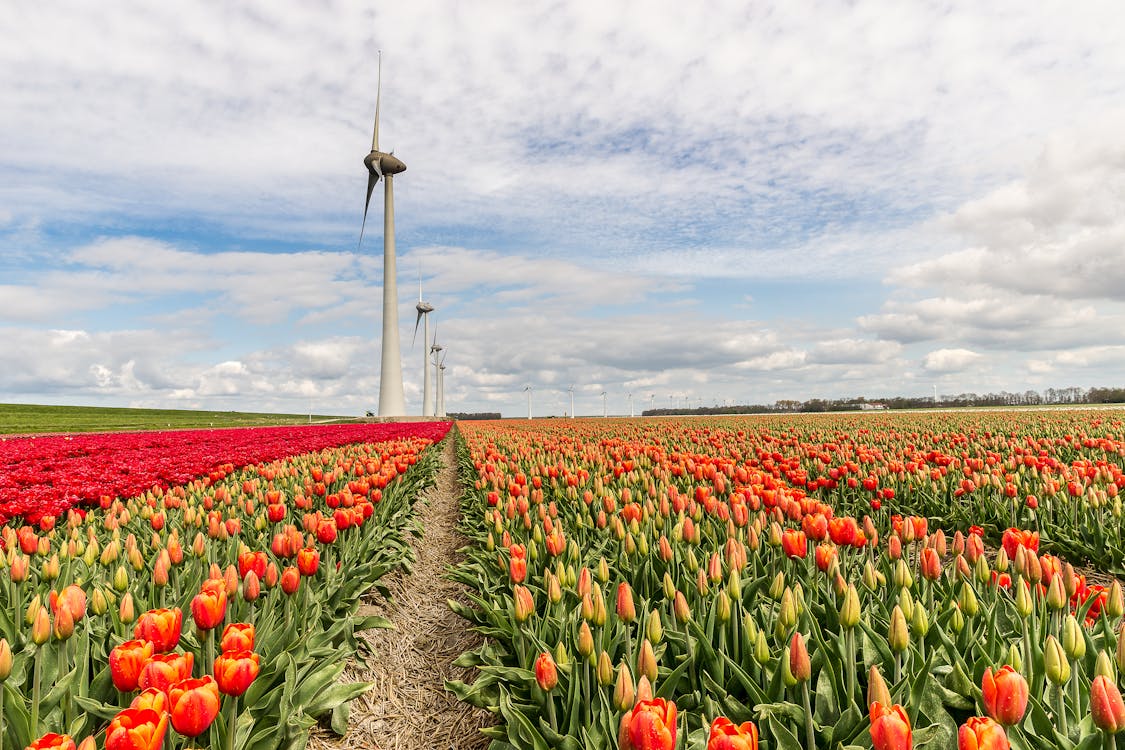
(232, 722)
(550, 715)
(63, 669)
(35, 686)
(849, 668)
(3, 687)
(1060, 705)
(810, 733)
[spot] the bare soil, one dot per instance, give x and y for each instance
(409, 707)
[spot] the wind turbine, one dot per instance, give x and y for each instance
(441, 386)
(605, 408)
(385, 166)
(571, 391)
(630, 404)
(435, 350)
(424, 309)
(528, 391)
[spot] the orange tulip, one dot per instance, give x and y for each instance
(162, 670)
(235, 670)
(546, 673)
(193, 705)
(1106, 706)
(1005, 695)
(290, 580)
(794, 543)
(153, 698)
(238, 636)
(52, 741)
(126, 662)
(161, 627)
(73, 598)
(626, 609)
(725, 735)
(308, 561)
(890, 728)
(209, 607)
(524, 603)
(930, 563)
(981, 733)
(136, 729)
(651, 725)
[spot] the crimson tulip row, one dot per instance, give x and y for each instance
(718, 582)
(294, 541)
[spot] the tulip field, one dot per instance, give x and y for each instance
(195, 588)
(927, 580)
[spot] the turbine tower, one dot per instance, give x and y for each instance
(605, 407)
(441, 387)
(424, 309)
(435, 350)
(630, 404)
(528, 391)
(385, 166)
(571, 391)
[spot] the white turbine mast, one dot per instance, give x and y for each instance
(435, 350)
(527, 390)
(630, 397)
(424, 309)
(441, 386)
(385, 166)
(570, 390)
(605, 406)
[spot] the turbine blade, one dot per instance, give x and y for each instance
(372, 178)
(417, 318)
(378, 96)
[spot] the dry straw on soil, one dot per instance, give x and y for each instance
(408, 707)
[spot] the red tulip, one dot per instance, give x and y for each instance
(1106, 706)
(626, 608)
(209, 606)
(126, 662)
(290, 580)
(890, 728)
(52, 741)
(1005, 695)
(161, 627)
(725, 735)
(517, 569)
(238, 636)
(981, 733)
(162, 670)
(650, 725)
(930, 563)
(235, 670)
(136, 729)
(252, 561)
(193, 705)
(153, 698)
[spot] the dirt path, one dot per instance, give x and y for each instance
(409, 707)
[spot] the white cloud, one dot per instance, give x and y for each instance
(949, 360)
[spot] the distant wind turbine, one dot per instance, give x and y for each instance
(528, 391)
(441, 386)
(424, 309)
(630, 404)
(571, 391)
(385, 166)
(435, 350)
(605, 407)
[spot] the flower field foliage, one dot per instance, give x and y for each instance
(217, 612)
(832, 582)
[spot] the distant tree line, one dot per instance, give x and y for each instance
(1051, 396)
(474, 415)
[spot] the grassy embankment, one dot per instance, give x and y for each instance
(25, 418)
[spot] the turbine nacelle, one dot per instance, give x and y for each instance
(379, 163)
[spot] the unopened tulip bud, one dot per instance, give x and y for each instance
(604, 670)
(1002, 561)
(32, 611)
(799, 664)
(681, 609)
(1115, 600)
(761, 649)
(1119, 654)
(585, 640)
(777, 587)
(869, 580)
(99, 605)
(1105, 666)
(1073, 638)
(850, 609)
(906, 601)
(554, 590)
(120, 579)
(41, 626)
(646, 661)
(722, 609)
(967, 599)
(603, 570)
(1106, 706)
(5, 659)
(623, 691)
(787, 615)
(898, 635)
(653, 628)
(125, 611)
(626, 609)
(1056, 596)
(920, 621)
(1024, 603)
(1069, 580)
(787, 677)
(546, 672)
(64, 624)
(902, 578)
(877, 691)
(957, 619)
(251, 587)
(644, 689)
(1055, 663)
(669, 587)
(981, 570)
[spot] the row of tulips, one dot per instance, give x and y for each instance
(219, 613)
(43, 476)
(615, 562)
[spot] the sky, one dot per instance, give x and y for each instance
(669, 203)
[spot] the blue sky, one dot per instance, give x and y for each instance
(721, 201)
